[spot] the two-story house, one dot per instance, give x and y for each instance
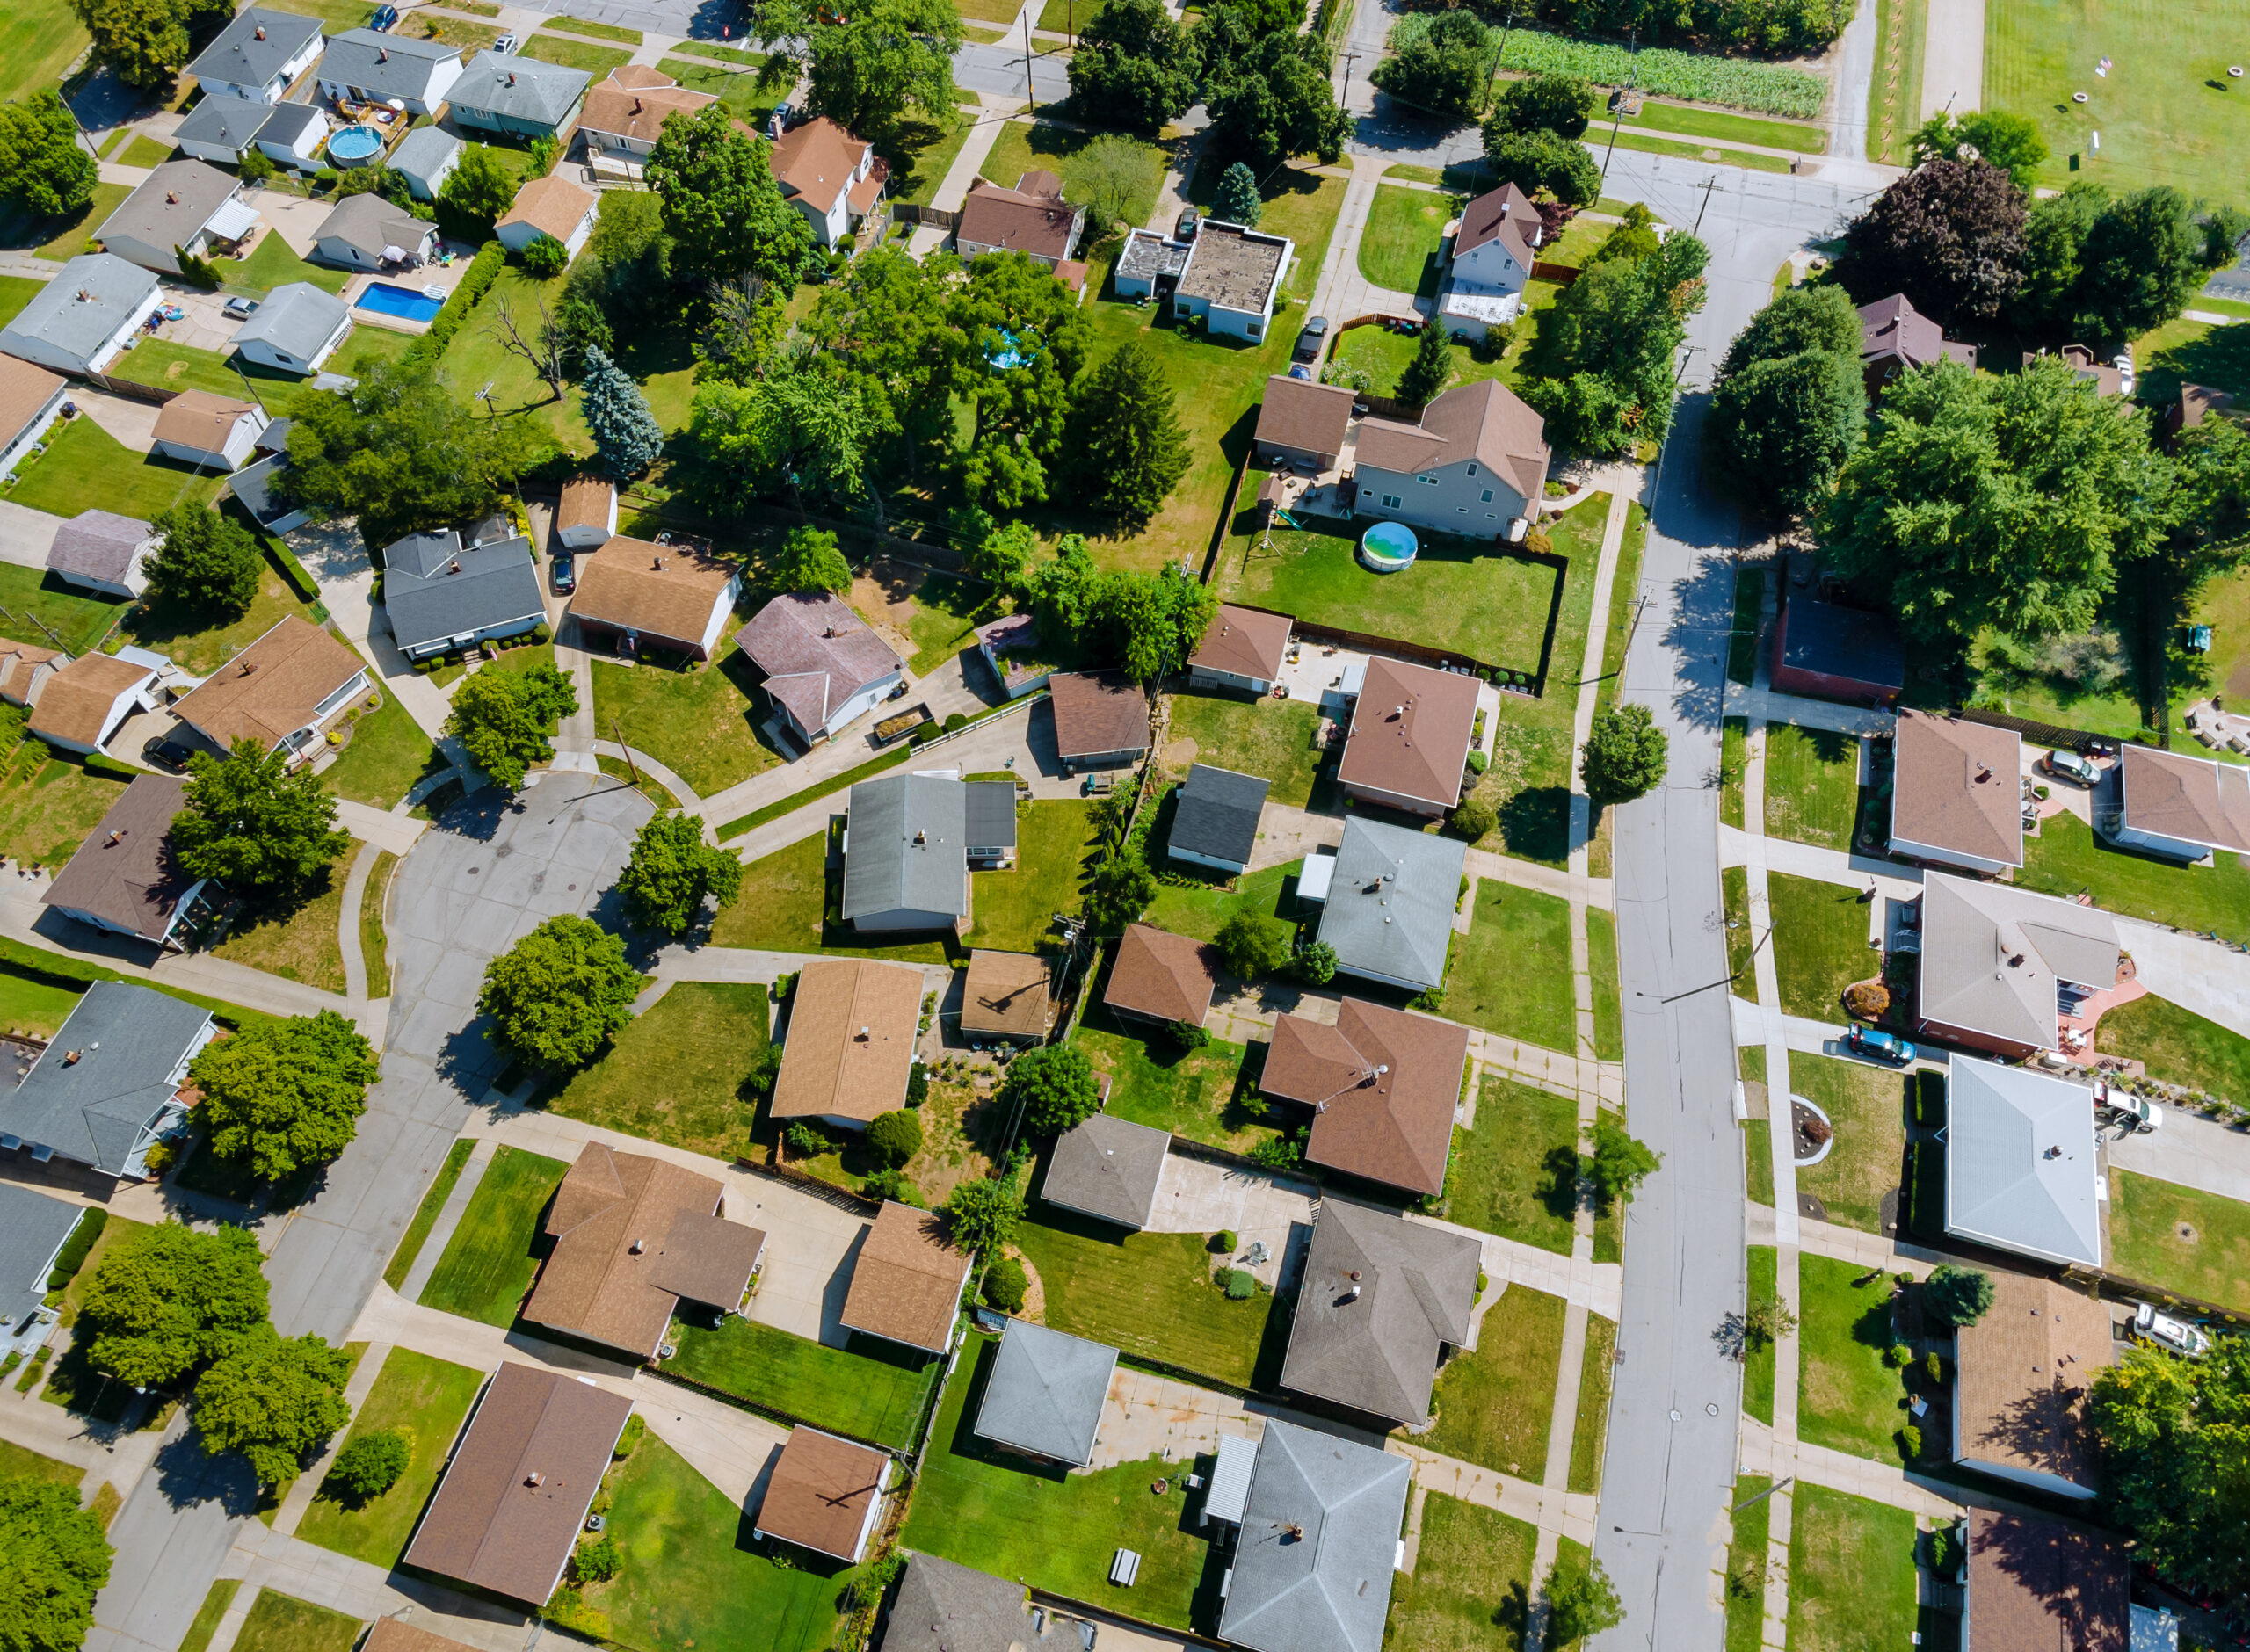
(831, 176)
(1475, 465)
(1492, 254)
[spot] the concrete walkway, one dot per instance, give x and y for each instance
(952, 189)
(1342, 293)
(347, 924)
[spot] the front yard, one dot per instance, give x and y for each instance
(1472, 1575)
(703, 725)
(873, 1390)
(1511, 971)
(277, 1622)
(2178, 1046)
(675, 1074)
(1847, 1397)
(1601, 966)
(2067, 857)
(1868, 1106)
(1202, 1095)
(300, 942)
(1515, 1173)
(1267, 737)
(2192, 1241)
(1747, 1563)
(387, 753)
(1812, 784)
(426, 1398)
(1852, 1578)
(1493, 1407)
(1820, 943)
(1758, 1362)
(1404, 236)
(494, 1255)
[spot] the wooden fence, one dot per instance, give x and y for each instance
(937, 217)
(2044, 733)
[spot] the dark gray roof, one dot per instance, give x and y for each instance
(943, 1607)
(274, 439)
(1371, 1342)
(232, 121)
(1819, 636)
(296, 319)
(522, 87)
(1217, 815)
(32, 1227)
(422, 554)
(130, 1041)
(97, 544)
(58, 316)
(886, 869)
(388, 65)
(424, 150)
(1327, 1590)
(288, 122)
(1391, 901)
(238, 56)
(252, 487)
(496, 583)
(990, 814)
(1107, 1167)
(1044, 1392)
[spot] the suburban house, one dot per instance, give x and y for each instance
(587, 517)
(1214, 822)
(83, 704)
(944, 1607)
(1010, 646)
(292, 135)
(633, 1237)
(2044, 1583)
(1894, 338)
(296, 330)
(910, 843)
(425, 158)
(1380, 1299)
(258, 55)
(624, 113)
(1101, 720)
(33, 1228)
(906, 1282)
(2171, 804)
(79, 321)
(523, 1476)
(443, 595)
(1043, 1394)
(1382, 1086)
(1161, 977)
(638, 595)
(1230, 280)
(2021, 1374)
(222, 130)
(1490, 264)
(201, 429)
(831, 176)
(1319, 1544)
(1408, 745)
(25, 669)
(1835, 653)
(283, 690)
(1475, 465)
(123, 878)
(2196, 404)
(253, 489)
(1033, 219)
(518, 96)
(850, 1046)
(181, 207)
(824, 1494)
(2085, 366)
(1999, 965)
(1107, 1168)
(103, 552)
(109, 1084)
(1242, 649)
(1148, 266)
(552, 206)
(363, 66)
(824, 666)
(366, 232)
(1956, 795)
(1390, 904)
(2022, 1173)
(1005, 997)
(1303, 425)
(31, 399)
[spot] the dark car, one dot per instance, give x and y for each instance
(1879, 1046)
(1190, 222)
(1309, 341)
(565, 578)
(167, 754)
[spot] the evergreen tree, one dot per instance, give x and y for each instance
(1432, 365)
(626, 434)
(1237, 201)
(207, 563)
(1132, 450)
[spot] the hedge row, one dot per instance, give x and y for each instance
(292, 571)
(72, 1257)
(483, 270)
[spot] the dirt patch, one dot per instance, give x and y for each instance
(1180, 754)
(884, 598)
(2186, 1234)
(950, 1155)
(1034, 1293)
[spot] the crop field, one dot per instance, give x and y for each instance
(1767, 88)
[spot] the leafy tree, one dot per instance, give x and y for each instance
(44, 172)
(1134, 67)
(1615, 335)
(560, 994)
(1800, 318)
(1581, 1601)
(1994, 137)
(54, 1560)
(2111, 269)
(276, 1401)
(1443, 68)
(1279, 103)
(1056, 1086)
(1266, 16)
(1150, 622)
(1634, 239)
(2212, 503)
(1118, 892)
(165, 1301)
(252, 823)
(1315, 963)
(1430, 366)
(256, 166)
(1956, 1296)
(1010, 305)
(146, 42)
(505, 720)
(1783, 422)
(626, 437)
(1625, 755)
(870, 67)
(801, 429)
(1003, 556)
(2175, 1469)
(1536, 161)
(1620, 1163)
(207, 563)
(1189, 1035)
(542, 255)
(370, 1464)
(1236, 200)
(1949, 235)
(1559, 103)
(671, 872)
(1765, 1320)
(1131, 450)
(283, 1095)
(810, 560)
(982, 1216)
(1251, 946)
(478, 191)
(893, 1138)
(1114, 178)
(2005, 502)
(721, 207)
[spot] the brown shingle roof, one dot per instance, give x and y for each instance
(1892, 330)
(395, 1634)
(1485, 421)
(585, 503)
(1505, 215)
(707, 1258)
(1959, 785)
(1411, 731)
(1244, 641)
(1384, 1085)
(821, 1492)
(1298, 413)
(1020, 220)
(1161, 975)
(907, 1283)
(667, 591)
(2043, 1586)
(1096, 714)
(817, 160)
(635, 101)
(24, 391)
(815, 652)
(19, 663)
(828, 1068)
(273, 687)
(2192, 799)
(507, 1514)
(1005, 994)
(552, 205)
(76, 700)
(198, 419)
(124, 872)
(2022, 1372)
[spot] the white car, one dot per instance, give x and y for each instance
(2132, 1114)
(2175, 1334)
(504, 44)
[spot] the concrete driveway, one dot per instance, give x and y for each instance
(134, 423)
(26, 536)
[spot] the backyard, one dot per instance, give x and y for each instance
(1511, 972)
(48, 802)
(198, 644)
(1866, 1106)
(2180, 1238)
(1472, 1573)
(2067, 857)
(1015, 910)
(1200, 1094)
(1853, 1585)
(872, 1390)
(704, 725)
(1493, 1407)
(1820, 943)
(2178, 1046)
(1847, 1397)
(41, 37)
(1023, 146)
(675, 1074)
(84, 467)
(1812, 784)
(427, 1399)
(1515, 1172)
(489, 1265)
(1270, 738)
(1199, 903)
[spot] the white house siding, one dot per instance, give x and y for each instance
(163, 260)
(426, 188)
(135, 583)
(1398, 800)
(133, 700)
(263, 352)
(492, 632)
(516, 236)
(1204, 677)
(1452, 503)
(298, 154)
(217, 153)
(24, 443)
(240, 440)
(865, 700)
(1212, 861)
(2155, 843)
(722, 610)
(31, 348)
(902, 918)
(340, 251)
(830, 227)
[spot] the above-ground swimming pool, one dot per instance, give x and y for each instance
(1388, 547)
(354, 146)
(405, 302)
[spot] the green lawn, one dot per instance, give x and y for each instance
(1015, 910)
(84, 468)
(1383, 355)
(38, 40)
(272, 263)
(1146, 1294)
(1270, 738)
(788, 903)
(1597, 1374)
(48, 801)
(1868, 1106)
(1511, 972)
(169, 365)
(1515, 1173)
(675, 1074)
(702, 724)
(1472, 1576)
(16, 291)
(297, 942)
(738, 92)
(874, 1390)
(428, 1398)
(597, 60)
(1494, 1406)
(144, 152)
(1734, 758)
(22, 1461)
(2178, 1046)
(38, 1007)
(41, 602)
(1601, 965)
(1757, 1156)
(947, 612)
(62, 239)
(494, 1255)
(200, 643)
(1023, 148)
(1404, 238)
(1894, 108)
(1692, 121)
(2210, 1259)
(1198, 908)
(208, 1614)
(1746, 1564)
(920, 165)
(1758, 1363)
(600, 31)
(1201, 1095)
(1812, 784)
(277, 1622)
(387, 753)
(1742, 640)
(1851, 1577)
(426, 1215)
(1735, 884)
(1820, 943)
(2067, 857)
(1847, 1397)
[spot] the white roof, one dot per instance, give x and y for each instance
(235, 218)
(2020, 1171)
(1230, 1487)
(1313, 882)
(1492, 308)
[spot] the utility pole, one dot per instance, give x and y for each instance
(1708, 183)
(1632, 79)
(631, 767)
(1030, 91)
(1350, 58)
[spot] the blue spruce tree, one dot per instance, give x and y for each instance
(626, 435)
(1236, 200)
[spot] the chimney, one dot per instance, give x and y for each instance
(117, 837)
(84, 297)
(71, 1060)
(1295, 1532)
(454, 567)
(1983, 772)
(636, 106)
(248, 667)
(383, 55)
(534, 1478)
(864, 1034)
(259, 33)
(171, 197)
(512, 77)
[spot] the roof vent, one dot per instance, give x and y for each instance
(863, 1032)
(921, 839)
(171, 197)
(383, 55)
(1983, 772)
(656, 562)
(1294, 1532)
(248, 667)
(454, 567)
(2015, 960)
(117, 837)
(636, 1247)
(2052, 1153)
(636, 106)
(1351, 1296)
(1354, 1276)
(84, 297)
(534, 1478)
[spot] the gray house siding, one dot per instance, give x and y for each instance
(1453, 500)
(902, 918)
(517, 126)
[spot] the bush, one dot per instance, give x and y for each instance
(894, 1186)
(1910, 1442)
(72, 1257)
(1537, 543)
(1474, 818)
(1241, 1284)
(635, 1426)
(894, 1138)
(1933, 1367)
(1189, 1035)
(1005, 1285)
(1945, 1551)
(370, 1465)
(959, 720)
(596, 1562)
(1226, 1241)
(873, 1578)
(293, 572)
(1478, 762)
(917, 1086)
(1282, 1153)
(1867, 1000)
(100, 763)
(1897, 1355)
(1956, 1296)
(483, 270)
(806, 1140)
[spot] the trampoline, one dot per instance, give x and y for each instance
(1388, 547)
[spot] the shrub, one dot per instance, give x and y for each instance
(596, 1562)
(1474, 818)
(72, 1257)
(1956, 1296)
(1933, 1367)
(635, 1426)
(1537, 543)
(1282, 1153)
(483, 270)
(1867, 1000)
(1897, 1355)
(1226, 1241)
(893, 1185)
(1241, 1285)
(959, 720)
(1005, 1285)
(370, 1465)
(1817, 1131)
(100, 763)
(1910, 1442)
(1478, 762)
(893, 1138)
(1945, 1551)
(806, 1140)
(917, 1086)
(1189, 1035)
(873, 1578)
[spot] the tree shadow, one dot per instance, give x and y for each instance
(1536, 822)
(1558, 1184)
(1512, 1616)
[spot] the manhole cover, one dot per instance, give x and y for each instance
(574, 888)
(1711, 1409)
(2185, 1233)
(1675, 1416)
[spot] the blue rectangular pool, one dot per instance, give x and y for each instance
(402, 301)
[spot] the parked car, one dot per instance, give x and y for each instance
(505, 44)
(385, 20)
(1309, 341)
(2175, 1334)
(2068, 765)
(564, 576)
(168, 754)
(241, 309)
(1879, 1046)
(2132, 1114)
(1190, 222)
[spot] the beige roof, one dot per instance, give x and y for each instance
(2191, 799)
(1005, 994)
(1411, 731)
(1485, 421)
(2040, 1585)
(1959, 785)
(852, 1028)
(24, 391)
(1246, 642)
(585, 503)
(395, 1634)
(817, 161)
(635, 101)
(273, 687)
(1505, 215)
(19, 663)
(1029, 218)
(1298, 413)
(552, 205)
(76, 700)
(1161, 975)
(1097, 713)
(1384, 1085)
(667, 591)
(198, 419)
(2023, 1370)
(820, 1491)
(907, 1283)
(1991, 956)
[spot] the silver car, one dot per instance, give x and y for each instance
(2166, 1331)
(2068, 765)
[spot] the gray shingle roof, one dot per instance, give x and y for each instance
(1045, 1391)
(1993, 955)
(1107, 1167)
(296, 319)
(990, 814)
(32, 1227)
(130, 1041)
(1217, 812)
(388, 65)
(425, 151)
(944, 1607)
(78, 326)
(1390, 908)
(238, 56)
(2000, 1186)
(232, 121)
(496, 583)
(252, 487)
(1328, 1588)
(371, 223)
(289, 121)
(521, 87)
(1371, 1342)
(97, 544)
(173, 205)
(886, 869)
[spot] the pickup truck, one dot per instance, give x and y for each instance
(2132, 1114)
